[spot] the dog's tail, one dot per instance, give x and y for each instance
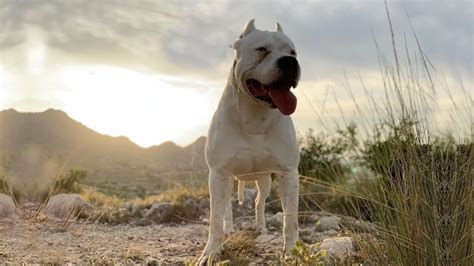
(241, 192)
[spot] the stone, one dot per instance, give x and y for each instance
(265, 238)
(159, 212)
(275, 220)
(190, 204)
(65, 206)
(7, 207)
(328, 223)
(249, 198)
(204, 204)
(338, 246)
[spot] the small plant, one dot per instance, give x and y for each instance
(133, 255)
(303, 254)
(239, 248)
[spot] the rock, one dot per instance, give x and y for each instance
(65, 206)
(204, 204)
(313, 237)
(275, 220)
(151, 262)
(159, 212)
(265, 238)
(7, 207)
(142, 222)
(190, 204)
(249, 198)
(309, 218)
(359, 226)
(328, 223)
(338, 246)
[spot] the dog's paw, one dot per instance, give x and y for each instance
(208, 259)
(262, 230)
(203, 260)
(229, 230)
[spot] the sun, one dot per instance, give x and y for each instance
(147, 108)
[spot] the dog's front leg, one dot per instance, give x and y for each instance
(219, 189)
(264, 186)
(288, 189)
(228, 216)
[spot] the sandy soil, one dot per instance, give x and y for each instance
(89, 243)
(35, 239)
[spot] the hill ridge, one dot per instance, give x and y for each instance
(55, 132)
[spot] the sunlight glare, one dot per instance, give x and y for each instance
(145, 107)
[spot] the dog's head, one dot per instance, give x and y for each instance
(266, 67)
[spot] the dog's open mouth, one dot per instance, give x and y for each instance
(277, 94)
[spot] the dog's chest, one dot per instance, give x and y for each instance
(255, 154)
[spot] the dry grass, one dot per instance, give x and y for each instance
(176, 195)
(240, 248)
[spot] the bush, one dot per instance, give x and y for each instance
(69, 182)
(424, 192)
(324, 157)
(325, 162)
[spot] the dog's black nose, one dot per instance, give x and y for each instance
(289, 67)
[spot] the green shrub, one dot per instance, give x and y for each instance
(325, 161)
(70, 182)
(324, 157)
(303, 254)
(424, 193)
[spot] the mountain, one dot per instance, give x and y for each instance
(55, 134)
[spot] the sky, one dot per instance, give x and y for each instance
(154, 71)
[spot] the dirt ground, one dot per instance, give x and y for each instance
(93, 243)
(34, 239)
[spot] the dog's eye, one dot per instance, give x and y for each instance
(262, 49)
(293, 52)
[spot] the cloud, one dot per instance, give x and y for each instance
(184, 37)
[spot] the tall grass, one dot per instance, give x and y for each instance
(412, 182)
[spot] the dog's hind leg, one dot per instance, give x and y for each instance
(228, 219)
(288, 189)
(219, 189)
(264, 185)
(241, 192)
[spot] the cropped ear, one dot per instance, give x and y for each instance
(248, 28)
(278, 28)
(235, 45)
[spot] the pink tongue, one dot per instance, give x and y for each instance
(284, 99)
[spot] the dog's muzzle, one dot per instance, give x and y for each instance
(277, 94)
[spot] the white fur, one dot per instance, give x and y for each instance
(248, 140)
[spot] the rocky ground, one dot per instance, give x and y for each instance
(34, 237)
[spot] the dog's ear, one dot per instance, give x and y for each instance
(248, 28)
(235, 45)
(278, 28)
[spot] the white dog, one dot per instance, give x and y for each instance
(252, 135)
